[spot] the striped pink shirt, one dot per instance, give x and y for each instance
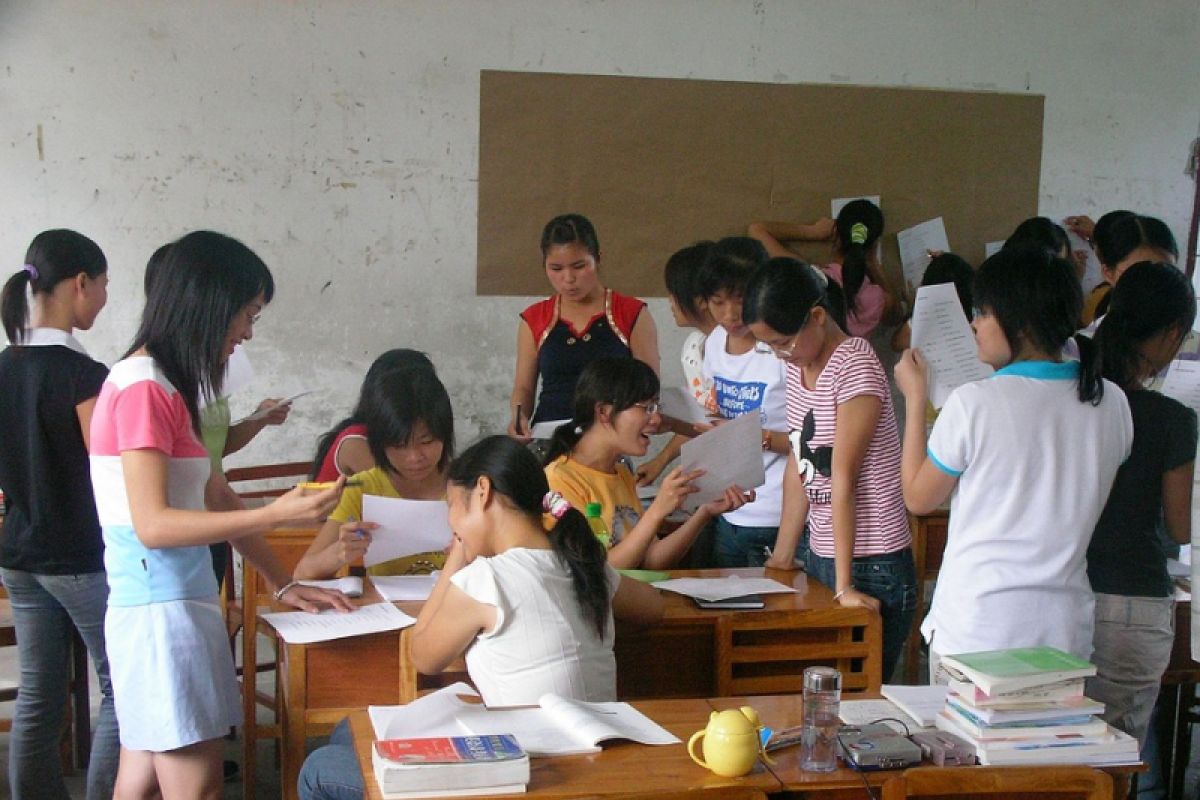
(881, 522)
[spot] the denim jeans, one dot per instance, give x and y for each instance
(331, 772)
(891, 579)
(44, 607)
(743, 546)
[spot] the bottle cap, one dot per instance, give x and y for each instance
(592, 510)
(822, 679)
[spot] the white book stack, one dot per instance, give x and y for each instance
(1027, 706)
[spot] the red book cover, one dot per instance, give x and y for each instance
(450, 749)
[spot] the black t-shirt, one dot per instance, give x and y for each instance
(1128, 555)
(51, 527)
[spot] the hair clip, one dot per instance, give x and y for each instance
(32, 270)
(555, 504)
(578, 430)
(859, 233)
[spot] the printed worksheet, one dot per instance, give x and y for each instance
(730, 455)
(915, 244)
(941, 332)
(406, 527)
(301, 627)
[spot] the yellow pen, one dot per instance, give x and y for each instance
(322, 485)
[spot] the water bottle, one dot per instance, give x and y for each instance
(596, 523)
(822, 696)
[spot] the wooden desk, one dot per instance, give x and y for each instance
(324, 682)
(622, 767)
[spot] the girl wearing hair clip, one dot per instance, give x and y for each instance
(855, 266)
(531, 608)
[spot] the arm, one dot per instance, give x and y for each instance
(240, 434)
(792, 516)
(902, 338)
(449, 620)
(84, 412)
(774, 234)
(853, 431)
(637, 603)
(338, 544)
(258, 552)
(524, 383)
(643, 340)
(353, 456)
(925, 485)
(1177, 502)
(666, 552)
(159, 525)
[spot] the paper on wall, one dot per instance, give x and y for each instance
(838, 203)
(941, 332)
(991, 248)
(406, 527)
(915, 244)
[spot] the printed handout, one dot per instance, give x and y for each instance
(721, 588)
(941, 332)
(730, 455)
(301, 627)
(406, 527)
(915, 245)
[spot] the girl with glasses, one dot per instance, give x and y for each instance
(842, 478)
(615, 412)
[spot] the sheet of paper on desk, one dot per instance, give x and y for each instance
(397, 588)
(350, 585)
(435, 714)
(1183, 383)
(922, 703)
(730, 454)
(678, 403)
(406, 527)
(838, 203)
(544, 430)
(864, 712)
(301, 627)
(721, 588)
(941, 331)
(915, 244)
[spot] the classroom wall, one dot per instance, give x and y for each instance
(339, 139)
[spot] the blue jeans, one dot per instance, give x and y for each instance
(891, 579)
(44, 608)
(741, 545)
(331, 772)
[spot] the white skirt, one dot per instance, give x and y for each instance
(173, 678)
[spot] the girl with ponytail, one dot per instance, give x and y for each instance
(51, 553)
(525, 593)
(1150, 311)
(1032, 451)
(855, 237)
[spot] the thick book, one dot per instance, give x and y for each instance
(1028, 712)
(435, 765)
(996, 671)
(744, 601)
(972, 695)
(953, 721)
(1115, 747)
(556, 726)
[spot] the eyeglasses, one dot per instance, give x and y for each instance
(650, 408)
(783, 351)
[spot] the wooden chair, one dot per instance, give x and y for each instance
(929, 544)
(766, 652)
(289, 546)
(1057, 782)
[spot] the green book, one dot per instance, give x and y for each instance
(1018, 668)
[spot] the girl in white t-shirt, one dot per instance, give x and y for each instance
(842, 478)
(1032, 451)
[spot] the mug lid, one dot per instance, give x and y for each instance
(822, 679)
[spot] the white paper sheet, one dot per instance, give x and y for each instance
(1183, 383)
(301, 627)
(915, 244)
(678, 403)
(263, 412)
(406, 527)
(941, 332)
(731, 454)
(350, 585)
(838, 203)
(721, 588)
(435, 714)
(544, 430)
(1092, 276)
(396, 588)
(991, 248)
(864, 712)
(238, 374)
(922, 703)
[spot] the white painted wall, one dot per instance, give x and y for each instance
(339, 139)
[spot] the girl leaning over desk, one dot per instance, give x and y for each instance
(531, 608)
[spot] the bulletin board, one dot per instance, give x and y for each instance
(659, 163)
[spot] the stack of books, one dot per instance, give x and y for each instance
(450, 766)
(1027, 706)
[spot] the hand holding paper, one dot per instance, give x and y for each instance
(941, 332)
(405, 527)
(729, 455)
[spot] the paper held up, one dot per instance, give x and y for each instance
(941, 332)
(730, 454)
(915, 245)
(677, 403)
(406, 527)
(721, 588)
(301, 627)
(263, 412)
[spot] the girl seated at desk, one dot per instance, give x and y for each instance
(532, 609)
(615, 412)
(410, 432)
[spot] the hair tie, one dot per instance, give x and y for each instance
(578, 430)
(32, 270)
(555, 504)
(858, 233)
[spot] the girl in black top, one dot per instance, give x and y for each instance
(51, 554)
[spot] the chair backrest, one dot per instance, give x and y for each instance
(766, 652)
(266, 480)
(1050, 782)
(289, 545)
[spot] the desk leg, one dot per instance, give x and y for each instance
(293, 715)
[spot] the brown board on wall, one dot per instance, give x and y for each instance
(659, 163)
